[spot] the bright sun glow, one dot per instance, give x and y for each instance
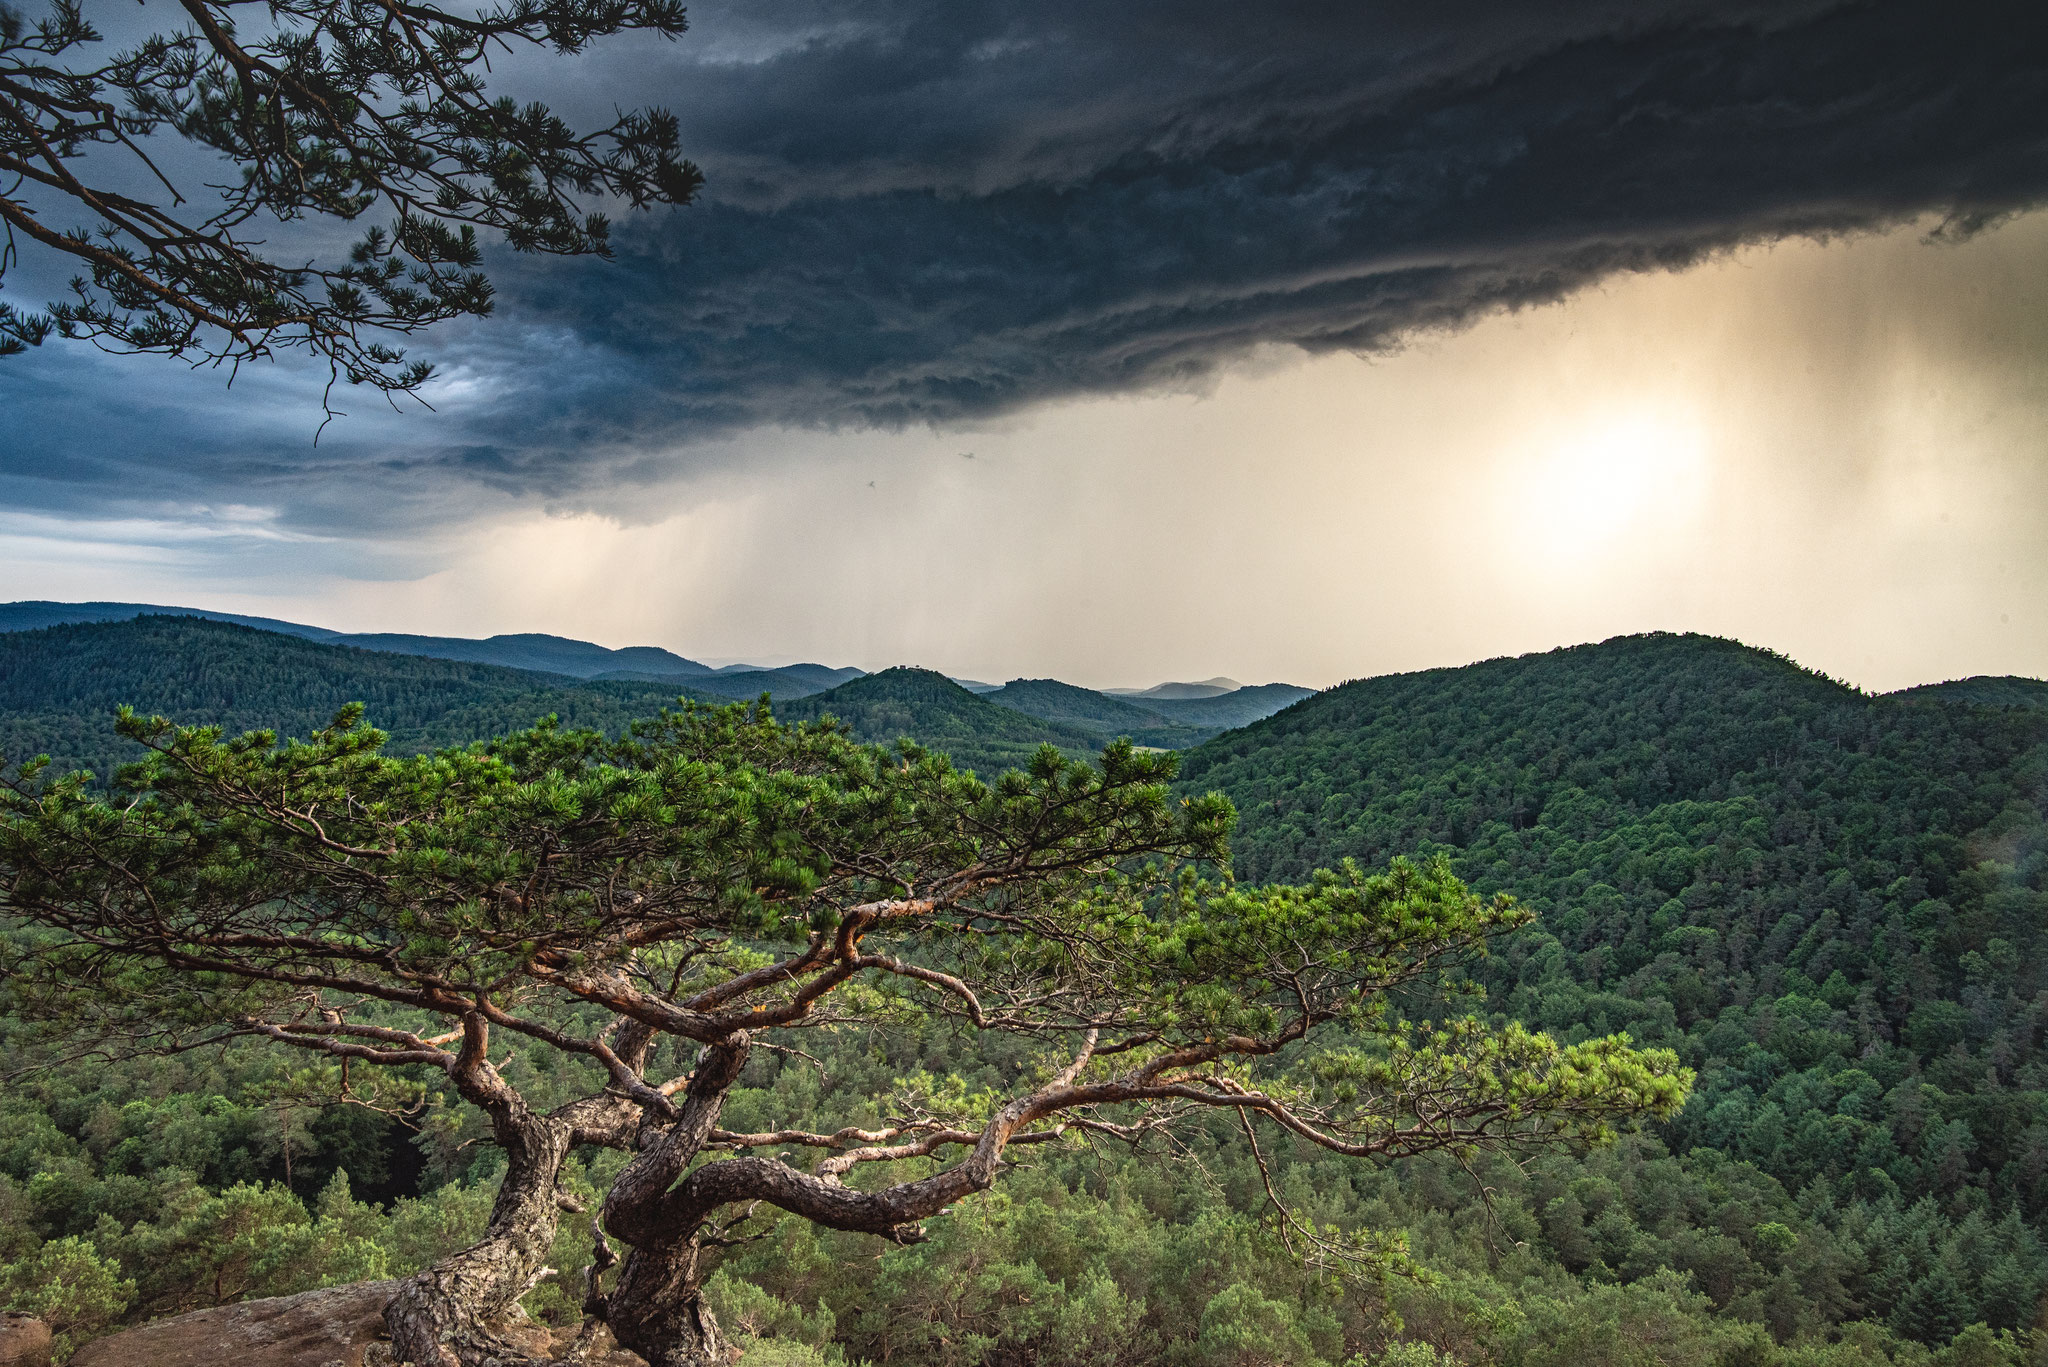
(1620, 477)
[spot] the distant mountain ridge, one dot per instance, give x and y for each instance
(531, 650)
(1227, 711)
(35, 614)
(979, 734)
(1207, 688)
(60, 685)
(1179, 714)
(790, 681)
(1065, 704)
(519, 650)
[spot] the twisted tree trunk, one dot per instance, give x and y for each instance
(656, 1308)
(454, 1313)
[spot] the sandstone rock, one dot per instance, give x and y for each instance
(24, 1341)
(329, 1328)
(342, 1326)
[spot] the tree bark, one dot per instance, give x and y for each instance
(454, 1313)
(657, 1309)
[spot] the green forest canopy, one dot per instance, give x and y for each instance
(1832, 905)
(59, 687)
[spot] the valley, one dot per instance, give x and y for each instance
(1833, 906)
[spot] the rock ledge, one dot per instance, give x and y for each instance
(333, 1327)
(341, 1326)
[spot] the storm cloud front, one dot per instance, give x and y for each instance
(947, 213)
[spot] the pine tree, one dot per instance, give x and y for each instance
(327, 109)
(1934, 1308)
(654, 911)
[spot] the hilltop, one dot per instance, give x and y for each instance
(1585, 735)
(59, 687)
(929, 707)
(1175, 715)
(1994, 690)
(1834, 904)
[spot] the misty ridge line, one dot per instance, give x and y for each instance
(540, 652)
(1209, 701)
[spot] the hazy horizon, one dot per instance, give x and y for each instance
(1149, 350)
(775, 660)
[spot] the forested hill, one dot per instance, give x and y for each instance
(1587, 737)
(1240, 707)
(1835, 905)
(978, 734)
(1101, 713)
(1996, 690)
(522, 650)
(59, 688)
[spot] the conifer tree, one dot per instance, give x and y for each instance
(337, 109)
(654, 911)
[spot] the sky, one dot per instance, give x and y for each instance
(1122, 343)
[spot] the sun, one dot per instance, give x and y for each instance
(1613, 478)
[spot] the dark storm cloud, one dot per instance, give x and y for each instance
(942, 212)
(1120, 197)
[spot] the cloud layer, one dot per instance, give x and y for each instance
(946, 212)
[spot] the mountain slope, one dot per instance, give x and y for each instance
(1992, 690)
(1835, 905)
(527, 650)
(524, 650)
(817, 676)
(36, 614)
(791, 681)
(1097, 713)
(59, 687)
(1386, 762)
(1239, 707)
(1206, 688)
(978, 734)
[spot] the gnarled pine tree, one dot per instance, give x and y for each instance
(319, 108)
(720, 883)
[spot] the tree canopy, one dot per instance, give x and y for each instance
(332, 109)
(656, 911)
